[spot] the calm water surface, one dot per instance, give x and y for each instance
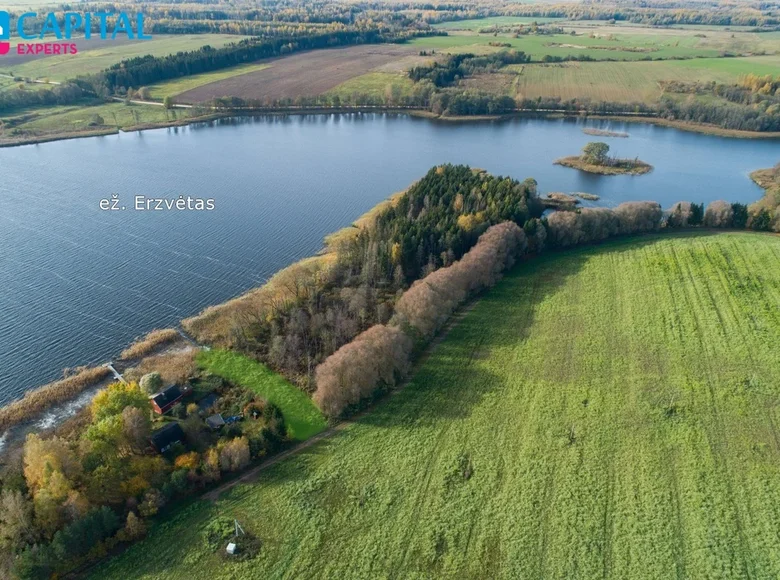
(78, 283)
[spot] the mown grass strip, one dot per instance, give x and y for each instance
(303, 419)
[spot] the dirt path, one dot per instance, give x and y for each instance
(252, 475)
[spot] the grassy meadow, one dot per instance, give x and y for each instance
(379, 84)
(303, 419)
(74, 118)
(625, 81)
(606, 412)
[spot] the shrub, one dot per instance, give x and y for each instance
(151, 383)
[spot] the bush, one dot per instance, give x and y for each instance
(151, 383)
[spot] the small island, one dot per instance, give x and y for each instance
(604, 133)
(595, 159)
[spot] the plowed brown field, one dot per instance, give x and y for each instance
(306, 73)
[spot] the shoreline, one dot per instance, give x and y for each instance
(190, 324)
(704, 129)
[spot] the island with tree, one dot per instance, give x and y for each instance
(595, 159)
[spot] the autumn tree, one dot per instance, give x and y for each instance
(234, 455)
(355, 371)
(117, 396)
(17, 527)
(719, 214)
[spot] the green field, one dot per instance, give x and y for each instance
(612, 43)
(378, 84)
(77, 118)
(60, 68)
(302, 418)
(625, 81)
(607, 412)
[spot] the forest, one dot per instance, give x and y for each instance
(432, 225)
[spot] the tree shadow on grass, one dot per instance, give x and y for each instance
(453, 378)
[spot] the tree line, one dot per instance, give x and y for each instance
(459, 66)
(349, 379)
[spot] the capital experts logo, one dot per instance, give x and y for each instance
(5, 32)
(110, 26)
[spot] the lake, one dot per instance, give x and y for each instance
(79, 284)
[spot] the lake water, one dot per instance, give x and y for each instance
(79, 284)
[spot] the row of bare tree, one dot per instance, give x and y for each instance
(380, 356)
(566, 228)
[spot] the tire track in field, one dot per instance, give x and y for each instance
(721, 463)
(679, 546)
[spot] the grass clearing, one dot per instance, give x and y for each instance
(303, 419)
(377, 84)
(607, 412)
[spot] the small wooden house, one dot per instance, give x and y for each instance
(215, 422)
(163, 439)
(164, 401)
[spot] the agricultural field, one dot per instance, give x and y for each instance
(176, 86)
(302, 74)
(612, 43)
(606, 412)
(107, 53)
(377, 84)
(302, 418)
(622, 81)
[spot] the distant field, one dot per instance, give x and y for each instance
(377, 84)
(608, 412)
(480, 23)
(302, 418)
(604, 42)
(623, 81)
(306, 73)
(180, 85)
(63, 67)
(624, 47)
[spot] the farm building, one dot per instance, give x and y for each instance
(164, 401)
(164, 438)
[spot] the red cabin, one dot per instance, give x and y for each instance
(164, 401)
